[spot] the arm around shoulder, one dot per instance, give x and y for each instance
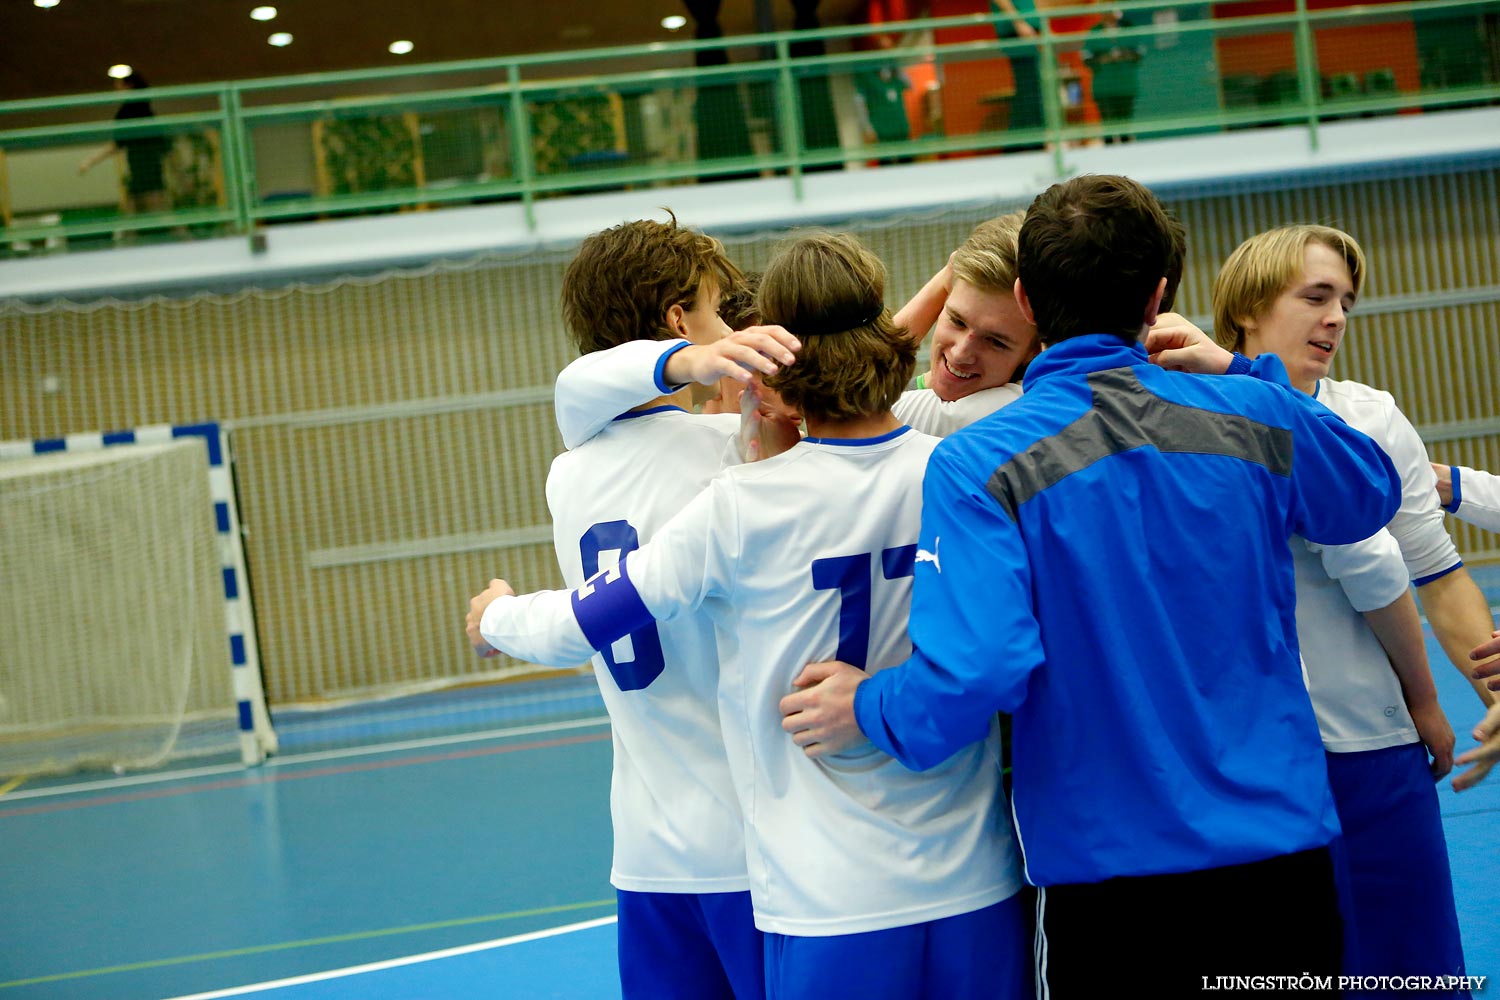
(1344, 486)
(970, 658)
(594, 389)
(1476, 497)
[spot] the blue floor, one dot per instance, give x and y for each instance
(194, 886)
(152, 891)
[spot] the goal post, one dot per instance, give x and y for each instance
(128, 635)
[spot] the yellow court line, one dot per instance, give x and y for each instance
(13, 784)
(310, 942)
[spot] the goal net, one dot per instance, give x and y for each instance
(113, 642)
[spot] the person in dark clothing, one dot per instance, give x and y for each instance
(145, 181)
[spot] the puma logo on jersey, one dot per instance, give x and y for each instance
(924, 556)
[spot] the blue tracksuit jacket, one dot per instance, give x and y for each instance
(1107, 559)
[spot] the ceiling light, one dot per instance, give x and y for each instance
(673, 22)
(44, 3)
(281, 39)
(120, 71)
(263, 13)
(400, 48)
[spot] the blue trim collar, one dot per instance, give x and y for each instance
(857, 442)
(631, 415)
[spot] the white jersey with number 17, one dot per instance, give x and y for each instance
(805, 556)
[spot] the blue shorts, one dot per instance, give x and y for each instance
(1392, 862)
(689, 946)
(983, 955)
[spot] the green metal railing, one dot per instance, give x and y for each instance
(244, 154)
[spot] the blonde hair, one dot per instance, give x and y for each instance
(829, 291)
(1264, 265)
(987, 259)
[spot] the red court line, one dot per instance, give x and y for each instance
(322, 772)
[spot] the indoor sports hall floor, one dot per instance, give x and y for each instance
(448, 868)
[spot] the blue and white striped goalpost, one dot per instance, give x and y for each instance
(256, 737)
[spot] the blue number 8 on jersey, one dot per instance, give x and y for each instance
(621, 601)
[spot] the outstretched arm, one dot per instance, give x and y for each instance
(1456, 608)
(1460, 617)
(686, 560)
(1469, 494)
(596, 388)
(924, 308)
(96, 157)
(1176, 344)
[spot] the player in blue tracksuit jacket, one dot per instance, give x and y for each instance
(1107, 559)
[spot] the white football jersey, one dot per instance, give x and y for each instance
(677, 821)
(596, 387)
(806, 556)
(1355, 692)
(591, 390)
(924, 410)
(1478, 497)
(1418, 525)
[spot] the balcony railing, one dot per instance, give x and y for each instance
(234, 157)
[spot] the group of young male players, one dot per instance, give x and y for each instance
(1107, 561)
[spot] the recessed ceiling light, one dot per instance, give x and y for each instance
(400, 48)
(673, 22)
(263, 13)
(44, 3)
(120, 71)
(281, 39)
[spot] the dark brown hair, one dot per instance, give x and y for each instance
(830, 291)
(1092, 251)
(737, 307)
(623, 280)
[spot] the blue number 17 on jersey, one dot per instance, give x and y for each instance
(850, 576)
(608, 608)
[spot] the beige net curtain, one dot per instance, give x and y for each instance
(392, 433)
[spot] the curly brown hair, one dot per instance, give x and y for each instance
(829, 291)
(623, 280)
(737, 307)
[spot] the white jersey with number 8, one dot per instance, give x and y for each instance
(806, 556)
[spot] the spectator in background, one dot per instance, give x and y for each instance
(1115, 63)
(880, 93)
(1025, 67)
(145, 182)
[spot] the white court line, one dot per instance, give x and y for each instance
(394, 963)
(306, 758)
